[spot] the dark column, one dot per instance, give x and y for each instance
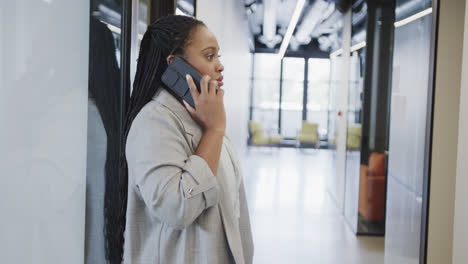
(280, 97)
(306, 85)
(251, 104)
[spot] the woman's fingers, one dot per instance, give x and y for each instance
(205, 84)
(220, 93)
(189, 108)
(213, 87)
(209, 112)
(193, 88)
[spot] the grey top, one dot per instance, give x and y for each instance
(178, 211)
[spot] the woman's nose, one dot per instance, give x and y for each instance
(220, 67)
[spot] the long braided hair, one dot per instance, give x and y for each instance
(168, 35)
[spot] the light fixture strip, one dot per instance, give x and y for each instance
(336, 53)
(291, 27)
(112, 27)
(358, 46)
(413, 17)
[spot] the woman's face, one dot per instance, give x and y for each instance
(202, 52)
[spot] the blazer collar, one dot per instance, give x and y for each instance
(175, 106)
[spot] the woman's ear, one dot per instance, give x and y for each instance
(169, 59)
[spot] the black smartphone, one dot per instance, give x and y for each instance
(175, 80)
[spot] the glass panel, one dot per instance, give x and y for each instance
(267, 66)
(318, 94)
(266, 91)
(292, 96)
(336, 83)
(407, 140)
(354, 123)
(335, 184)
(140, 21)
(185, 7)
(353, 140)
(266, 94)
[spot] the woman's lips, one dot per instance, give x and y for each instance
(220, 82)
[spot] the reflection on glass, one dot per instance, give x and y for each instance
(185, 7)
(292, 96)
(140, 17)
(103, 121)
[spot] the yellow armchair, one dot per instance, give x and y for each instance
(308, 134)
(353, 140)
(257, 135)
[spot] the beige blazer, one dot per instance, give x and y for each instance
(178, 211)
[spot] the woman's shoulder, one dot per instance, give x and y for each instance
(154, 114)
(154, 119)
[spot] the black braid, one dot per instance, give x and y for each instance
(166, 36)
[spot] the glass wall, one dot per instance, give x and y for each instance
(353, 136)
(409, 116)
(336, 121)
(356, 181)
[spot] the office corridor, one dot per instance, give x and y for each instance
(294, 219)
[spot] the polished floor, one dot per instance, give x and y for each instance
(294, 220)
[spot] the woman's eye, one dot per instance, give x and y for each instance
(211, 56)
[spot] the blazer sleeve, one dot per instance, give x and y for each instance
(244, 226)
(175, 185)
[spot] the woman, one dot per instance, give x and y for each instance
(186, 201)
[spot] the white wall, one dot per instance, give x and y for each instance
(43, 111)
(445, 131)
(460, 230)
(225, 18)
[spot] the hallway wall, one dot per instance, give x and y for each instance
(226, 19)
(43, 116)
(445, 131)
(460, 230)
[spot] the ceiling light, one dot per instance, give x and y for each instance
(358, 46)
(112, 27)
(291, 27)
(336, 53)
(413, 17)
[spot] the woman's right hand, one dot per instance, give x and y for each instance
(209, 105)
